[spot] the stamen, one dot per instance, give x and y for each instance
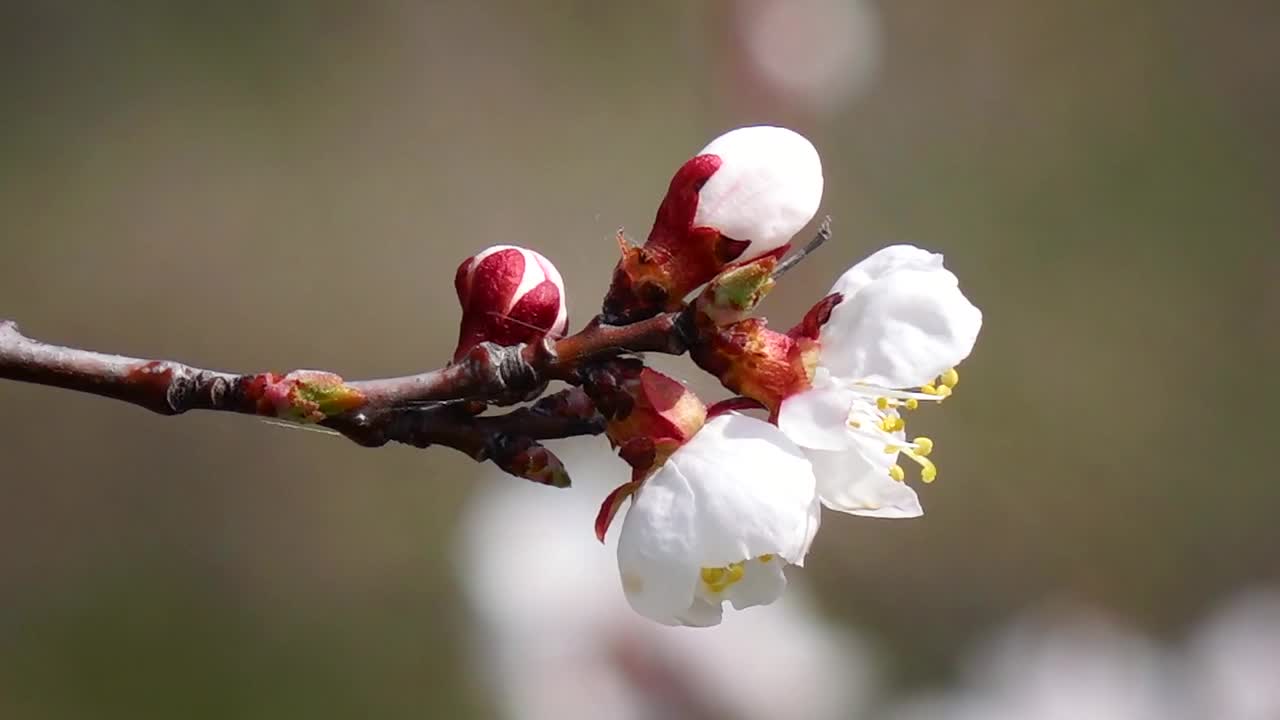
(895, 397)
(767, 557)
(950, 378)
(717, 579)
(711, 576)
(892, 424)
(912, 403)
(897, 473)
(929, 389)
(944, 391)
(924, 445)
(882, 402)
(928, 471)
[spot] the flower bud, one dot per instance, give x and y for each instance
(509, 295)
(660, 414)
(743, 196)
(734, 293)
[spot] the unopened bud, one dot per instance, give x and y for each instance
(509, 295)
(743, 196)
(734, 293)
(661, 415)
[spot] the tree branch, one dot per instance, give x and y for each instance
(507, 375)
(430, 408)
(438, 407)
(501, 375)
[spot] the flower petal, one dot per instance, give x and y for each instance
(901, 330)
(882, 262)
(752, 489)
(768, 186)
(702, 613)
(858, 483)
(656, 548)
(762, 583)
(816, 418)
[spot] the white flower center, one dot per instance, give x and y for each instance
(879, 419)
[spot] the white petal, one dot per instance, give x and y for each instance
(657, 548)
(817, 417)
(815, 521)
(859, 483)
(885, 261)
(762, 583)
(901, 330)
(752, 490)
(767, 188)
(702, 613)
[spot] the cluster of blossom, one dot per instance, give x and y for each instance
(721, 501)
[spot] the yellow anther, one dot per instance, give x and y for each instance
(891, 449)
(855, 424)
(924, 445)
(944, 391)
(718, 578)
(882, 403)
(928, 471)
(928, 389)
(767, 557)
(950, 378)
(912, 403)
(892, 424)
(736, 571)
(897, 473)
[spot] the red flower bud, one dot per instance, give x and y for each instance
(509, 295)
(662, 416)
(742, 197)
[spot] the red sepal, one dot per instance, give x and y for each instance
(612, 503)
(818, 315)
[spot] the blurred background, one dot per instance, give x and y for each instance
(253, 186)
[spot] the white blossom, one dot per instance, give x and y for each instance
(717, 522)
(557, 640)
(891, 343)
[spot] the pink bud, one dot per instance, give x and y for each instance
(509, 295)
(745, 195)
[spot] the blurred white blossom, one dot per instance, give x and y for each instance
(816, 54)
(1058, 666)
(1233, 659)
